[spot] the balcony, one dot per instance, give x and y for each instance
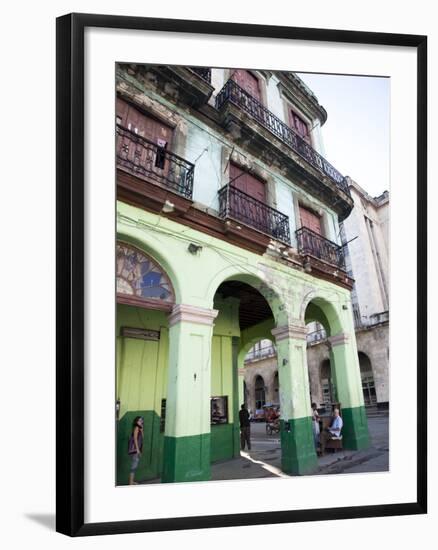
(236, 205)
(316, 336)
(203, 72)
(257, 354)
(152, 163)
(314, 245)
(315, 171)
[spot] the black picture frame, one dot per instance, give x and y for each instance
(70, 273)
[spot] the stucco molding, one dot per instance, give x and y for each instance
(339, 339)
(290, 331)
(192, 314)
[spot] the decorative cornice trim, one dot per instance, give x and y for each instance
(192, 314)
(339, 339)
(298, 332)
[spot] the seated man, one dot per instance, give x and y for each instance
(334, 430)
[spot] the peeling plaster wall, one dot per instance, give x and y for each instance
(210, 150)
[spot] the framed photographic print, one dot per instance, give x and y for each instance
(239, 209)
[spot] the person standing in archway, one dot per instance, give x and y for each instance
(245, 428)
(135, 447)
(315, 425)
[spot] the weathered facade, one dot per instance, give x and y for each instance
(227, 228)
(365, 233)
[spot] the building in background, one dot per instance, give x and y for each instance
(365, 234)
(227, 234)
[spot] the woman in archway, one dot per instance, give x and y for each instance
(315, 425)
(135, 447)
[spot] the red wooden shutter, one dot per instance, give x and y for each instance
(310, 220)
(248, 82)
(142, 124)
(247, 183)
(298, 124)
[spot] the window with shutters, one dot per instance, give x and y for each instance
(248, 82)
(299, 125)
(144, 125)
(247, 183)
(310, 219)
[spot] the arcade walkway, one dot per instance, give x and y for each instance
(264, 459)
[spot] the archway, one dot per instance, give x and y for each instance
(245, 318)
(261, 361)
(345, 387)
(328, 394)
(368, 385)
(145, 296)
(260, 393)
(276, 399)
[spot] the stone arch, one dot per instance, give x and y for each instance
(257, 279)
(327, 389)
(367, 377)
(248, 344)
(252, 372)
(331, 310)
(260, 391)
(321, 308)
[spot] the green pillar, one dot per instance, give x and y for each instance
(237, 396)
(186, 454)
(298, 454)
(345, 370)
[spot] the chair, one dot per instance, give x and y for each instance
(334, 443)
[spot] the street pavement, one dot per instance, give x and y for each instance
(264, 459)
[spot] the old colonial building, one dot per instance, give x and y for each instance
(365, 235)
(227, 234)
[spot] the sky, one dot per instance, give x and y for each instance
(356, 134)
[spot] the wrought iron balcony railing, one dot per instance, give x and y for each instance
(203, 72)
(152, 162)
(316, 336)
(233, 93)
(235, 204)
(315, 245)
(260, 353)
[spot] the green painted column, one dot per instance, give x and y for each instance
(298, 454)
(186, 453)
(345, 370)
(237, 396)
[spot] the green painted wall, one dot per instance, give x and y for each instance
(140, 387)
(196, 279)
(142, 383)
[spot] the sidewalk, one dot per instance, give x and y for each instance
(264, 459)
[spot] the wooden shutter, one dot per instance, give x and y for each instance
(142, 124)
(248, 82)
(298, 124)
(310, 220)
(247, 183)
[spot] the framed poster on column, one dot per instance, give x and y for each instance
(215, 296)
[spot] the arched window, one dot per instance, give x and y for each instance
(368, 386)
(259, 392)
(140, 280)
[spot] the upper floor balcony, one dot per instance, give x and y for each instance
(259, 353)
(187, 85)
(276, 142)
(203, 72)
(236, 205)
(153, 164)
(315, 246)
